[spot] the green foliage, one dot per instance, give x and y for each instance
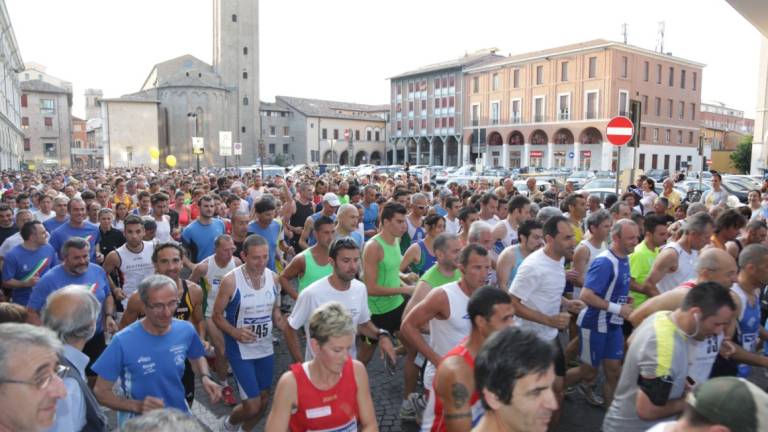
(741, 158)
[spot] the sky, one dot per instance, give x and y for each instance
(345, 50)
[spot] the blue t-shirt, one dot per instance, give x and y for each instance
(51, 224)
(441, 211)
(88, 231)
(370, 216)
(608, 277)
(23, 264)
(311, 240)
(150, 365)
(94, 278)
(199, 238)
(270, 234)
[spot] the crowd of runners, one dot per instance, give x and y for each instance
(123, 289)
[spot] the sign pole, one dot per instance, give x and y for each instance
(619, 132)
(618, 170)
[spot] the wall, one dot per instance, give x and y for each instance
(130, 126)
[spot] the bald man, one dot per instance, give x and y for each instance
(347, 221)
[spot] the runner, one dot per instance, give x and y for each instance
(347, 224)
(530, 239)
(330, 204)
(25, 264)
(266, 226)
(419, 257)
(132, 261)
(77, 227)
(312, 264)
(199, 236)
(505, 232)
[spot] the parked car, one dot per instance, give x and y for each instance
(657, 174)
(600, 183)
(601, 193)
(579, 178)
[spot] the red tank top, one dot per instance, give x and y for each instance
(334, 409)
(433, 414)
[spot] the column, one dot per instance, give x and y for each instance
(505, 155)
(525, 158)
(576, 155)
(550, 155)
(445, 153)
(431, 153)
(465, 154)
(418, 152)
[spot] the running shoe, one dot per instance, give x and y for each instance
(590, 396)
(228, 396)
(407, 412)
(419, 403)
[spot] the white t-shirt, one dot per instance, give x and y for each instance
(539, 285)
(10, 243)
(662, 427)
(42, 217)
(452, 226)
(355, 300)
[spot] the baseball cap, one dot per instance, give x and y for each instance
(445, 192)
(732, 402)
(331, 199)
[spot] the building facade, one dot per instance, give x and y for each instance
(129, 128)
(331, 132)
(722, 127)
(11, 134)
(550, 108)
(426, 115)
(46, 120)
(280, 144)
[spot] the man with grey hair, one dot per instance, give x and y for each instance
(22, 217)
(148, 356)
(676, 262)
(606, 294)
(72, 313)
(547, 212)
(347, 224)
(696, 207)
(61, 216)
(414, 219)
(30, 377)
(165, 420)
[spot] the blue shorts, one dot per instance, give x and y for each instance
(253, 376)
(594, 347)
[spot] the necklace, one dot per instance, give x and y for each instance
(250, 279)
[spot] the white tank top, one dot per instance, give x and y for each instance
(163, 232)
(134, 267)
(213, 278)
(593, 252)
(445, 334)
(255, 313)
(511, 237)
(686, 268)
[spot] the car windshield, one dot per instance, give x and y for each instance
(580, 174)
(600, 183)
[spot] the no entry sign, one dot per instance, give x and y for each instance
(619, 130)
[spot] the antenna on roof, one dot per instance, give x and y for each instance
(624, 28)
(660, 38)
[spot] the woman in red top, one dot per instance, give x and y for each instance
(331, 391)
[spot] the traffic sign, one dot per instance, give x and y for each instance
(570, 155)
(225, 143)
(197, 145)
(620, 130)
(238, 148)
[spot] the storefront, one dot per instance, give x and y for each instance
(537, 159)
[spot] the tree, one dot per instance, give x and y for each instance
(741, 158)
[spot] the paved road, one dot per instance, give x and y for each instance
(386, 391)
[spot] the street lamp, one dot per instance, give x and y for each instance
(192, 117)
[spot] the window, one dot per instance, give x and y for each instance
(657, 106)
(655, 135)
(690, 137)
(516, 111)
(564, 71)
(494, 113)
(423, 125)
(410, 107)
(245, 100)
(681, 110)
(245, 75)
(410, 125)
(234, 18)
(242, 129)
(693, 78)
(272, 131)
(450, 82)
(475, 115)
(591, 108)
(624, 66)
(679, 137)
(693, 111)
(671, 76)
(655, 161)
(368, 135)
(47, 106)
(285, 149)
(666, 161)
(592, 67)
(424, 105)
(286, 131)
(642, 134)
(539, 75)
(564, 107)
(642, 161)
(437, 83)
(495, 82)
(667, 135)
(324, 134)
(336, 134)
(23, 101)
(682, 79)
(623, 102)
(48, 121)
(658, 76)
(646, 70)
(49, 149)
(357, 135)
(245, 50)
(538, 109)
(677, 162)
(376, 136)
(450, 122)
(27, 145)
(645, 104)
(25, 122)
(271, 148)
(475, 84)
(516, 78)
(670, 107)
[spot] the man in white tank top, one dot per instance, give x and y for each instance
(444, 309)
(209, 272)
(160, 215)
(133, 260)
(676, 262)
(598, 225)
(505, 232)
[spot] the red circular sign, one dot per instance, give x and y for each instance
(619, 130)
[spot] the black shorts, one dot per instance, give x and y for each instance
(559, 357)
(627, 328)
(391, 320)
(188, 379)
(93, 349)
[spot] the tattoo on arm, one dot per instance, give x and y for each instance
(457, 416)
(460, 395)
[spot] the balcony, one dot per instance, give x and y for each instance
(538, 118)
(624, 113)
(590, 115)
(516, 119)
(494, 121)
(564, 115)
(475, 122)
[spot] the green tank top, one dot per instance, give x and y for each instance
(312, 271)
(389, 277)
(435, 278)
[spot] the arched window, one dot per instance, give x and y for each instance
(245, 100)
(245, 50)
(245, 75)
(234, 18)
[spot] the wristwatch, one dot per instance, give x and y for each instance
(384, 333)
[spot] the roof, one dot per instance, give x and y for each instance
(77, 119)
(332, 109)
(146, 96)
(41, 86)
(272, 106)
(476, 58)
(183, 71)
(594, 44)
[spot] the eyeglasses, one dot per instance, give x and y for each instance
(156, 307)
(41, 383)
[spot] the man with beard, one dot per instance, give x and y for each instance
(76, 269)
(240, 222)
(537, 292)
(199, 236)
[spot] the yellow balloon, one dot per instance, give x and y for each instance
(154, 153)
(170, 160)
